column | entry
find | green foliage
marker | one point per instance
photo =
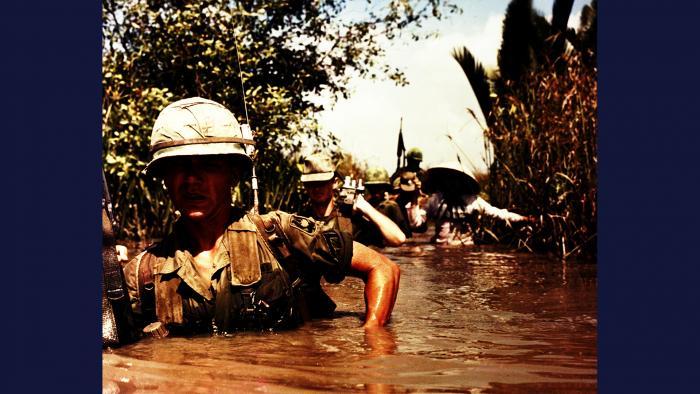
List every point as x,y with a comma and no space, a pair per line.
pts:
542,126
159,51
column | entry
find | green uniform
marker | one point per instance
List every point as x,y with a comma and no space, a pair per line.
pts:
363,230
393,211
250,287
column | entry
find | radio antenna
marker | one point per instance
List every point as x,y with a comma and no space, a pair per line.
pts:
247,132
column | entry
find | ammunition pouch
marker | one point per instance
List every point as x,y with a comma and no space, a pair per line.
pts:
255,291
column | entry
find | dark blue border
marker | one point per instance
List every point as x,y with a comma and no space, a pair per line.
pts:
649,321
51,113
648,220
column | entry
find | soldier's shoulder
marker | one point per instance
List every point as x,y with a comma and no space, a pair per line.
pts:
132,265
303,223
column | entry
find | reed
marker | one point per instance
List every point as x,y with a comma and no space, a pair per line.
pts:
544,137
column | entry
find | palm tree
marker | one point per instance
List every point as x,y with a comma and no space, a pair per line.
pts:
585,40
528,41
477,77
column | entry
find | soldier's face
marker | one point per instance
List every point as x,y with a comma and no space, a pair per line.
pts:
200,186
375,194
320,192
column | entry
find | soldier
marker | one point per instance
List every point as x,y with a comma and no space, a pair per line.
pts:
369,226
414,157
455,204
377,185
223,269
407,183
406,193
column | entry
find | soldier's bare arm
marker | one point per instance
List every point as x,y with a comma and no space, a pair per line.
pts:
390,231
381,277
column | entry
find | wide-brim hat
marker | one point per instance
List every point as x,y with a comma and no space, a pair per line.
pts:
407,182
318,167
451,177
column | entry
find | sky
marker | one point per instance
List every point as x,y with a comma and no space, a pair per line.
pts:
434,103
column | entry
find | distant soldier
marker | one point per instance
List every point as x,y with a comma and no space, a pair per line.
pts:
455,204
414,157
407,183
224,269
368,225
377,186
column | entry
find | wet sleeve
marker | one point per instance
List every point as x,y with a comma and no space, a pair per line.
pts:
484,207
326,249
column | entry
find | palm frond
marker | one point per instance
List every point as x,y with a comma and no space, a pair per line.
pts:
477,78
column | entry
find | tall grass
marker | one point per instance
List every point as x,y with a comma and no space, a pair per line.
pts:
544,136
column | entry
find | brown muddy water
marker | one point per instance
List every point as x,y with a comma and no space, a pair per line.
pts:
467,319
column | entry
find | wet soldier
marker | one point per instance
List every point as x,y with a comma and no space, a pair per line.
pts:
368,225
408,181
414,157
455,204
223,269
376,189
406,191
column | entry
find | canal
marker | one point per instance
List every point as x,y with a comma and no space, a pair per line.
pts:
467,319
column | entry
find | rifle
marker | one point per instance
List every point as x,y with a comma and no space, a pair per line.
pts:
117,320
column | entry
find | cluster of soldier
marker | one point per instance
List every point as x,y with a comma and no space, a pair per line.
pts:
398,206
223,269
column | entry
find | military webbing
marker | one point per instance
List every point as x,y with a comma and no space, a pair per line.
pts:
281,252
118,316
146,288
113,279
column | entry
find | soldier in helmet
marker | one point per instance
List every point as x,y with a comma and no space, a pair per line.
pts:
377,186
414,157
368,225
223,269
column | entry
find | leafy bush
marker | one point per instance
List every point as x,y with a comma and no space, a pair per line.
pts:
159,51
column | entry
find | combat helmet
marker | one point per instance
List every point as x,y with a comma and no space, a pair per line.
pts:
377,176
318,167
415,154
197,126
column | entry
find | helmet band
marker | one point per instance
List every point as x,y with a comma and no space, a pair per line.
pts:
208,140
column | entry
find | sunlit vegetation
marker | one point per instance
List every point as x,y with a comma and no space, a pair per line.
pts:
156,52
542,124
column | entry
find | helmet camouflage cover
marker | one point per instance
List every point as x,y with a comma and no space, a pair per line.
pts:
377,176
415,154
197,126
318,167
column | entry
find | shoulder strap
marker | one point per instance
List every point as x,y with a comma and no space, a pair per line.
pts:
273,237
278,243
146,288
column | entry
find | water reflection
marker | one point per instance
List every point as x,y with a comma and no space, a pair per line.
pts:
466,320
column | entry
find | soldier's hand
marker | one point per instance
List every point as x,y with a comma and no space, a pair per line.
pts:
360,204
